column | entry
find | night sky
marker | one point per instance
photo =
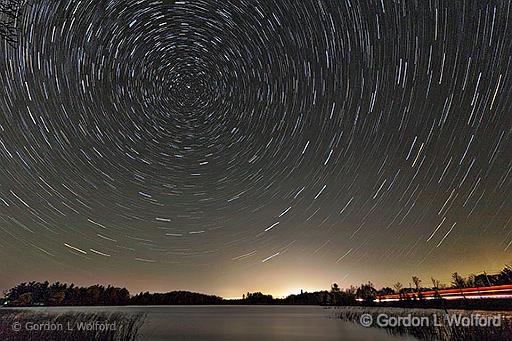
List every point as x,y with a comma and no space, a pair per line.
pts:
233,146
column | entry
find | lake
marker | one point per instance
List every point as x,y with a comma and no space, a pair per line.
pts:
202,323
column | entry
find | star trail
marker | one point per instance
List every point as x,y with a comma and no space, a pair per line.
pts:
230,145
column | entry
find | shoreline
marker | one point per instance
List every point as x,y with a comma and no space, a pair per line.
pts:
376,306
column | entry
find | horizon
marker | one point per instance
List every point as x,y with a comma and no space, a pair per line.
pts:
232,146
276,294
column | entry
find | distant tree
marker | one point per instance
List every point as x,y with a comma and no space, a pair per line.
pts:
10,12
174,298
458,281
94,292
417,282
471,281
259,298
25,299
59,294
506,275
436,285
338,297
398,288
367,292
386,291
351,290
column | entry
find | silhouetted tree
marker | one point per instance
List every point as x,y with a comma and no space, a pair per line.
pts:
351,290
417,283
505,276
367,292
258,298
334,297
338,297
57,294
398,288
458,281
386,291
436,285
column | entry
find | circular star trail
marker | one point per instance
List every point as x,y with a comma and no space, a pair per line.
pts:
171,136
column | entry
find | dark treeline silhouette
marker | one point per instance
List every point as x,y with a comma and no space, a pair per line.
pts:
334,297
483,280
257,298
58,294
175,297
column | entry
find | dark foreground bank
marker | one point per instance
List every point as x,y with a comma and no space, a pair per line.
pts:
433,324
69,326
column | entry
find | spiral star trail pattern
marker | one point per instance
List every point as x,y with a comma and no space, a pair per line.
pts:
220,145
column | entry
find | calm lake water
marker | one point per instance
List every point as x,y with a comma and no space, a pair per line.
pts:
205,323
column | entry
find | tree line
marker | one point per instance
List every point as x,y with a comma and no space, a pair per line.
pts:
368,293
61,294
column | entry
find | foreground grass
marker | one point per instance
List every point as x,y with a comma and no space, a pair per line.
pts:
73,326
429,331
